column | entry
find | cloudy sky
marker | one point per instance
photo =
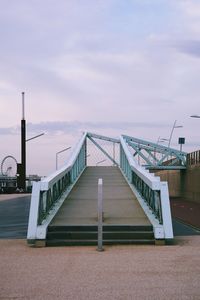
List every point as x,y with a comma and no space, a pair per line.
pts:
106,66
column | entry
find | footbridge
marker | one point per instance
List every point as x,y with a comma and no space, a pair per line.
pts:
136,206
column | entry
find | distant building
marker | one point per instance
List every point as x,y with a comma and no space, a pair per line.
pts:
8,184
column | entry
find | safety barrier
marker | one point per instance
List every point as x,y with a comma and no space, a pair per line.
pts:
193,158
152,193
49,194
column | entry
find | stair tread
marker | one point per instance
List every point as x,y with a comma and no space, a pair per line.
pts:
94,242
94,228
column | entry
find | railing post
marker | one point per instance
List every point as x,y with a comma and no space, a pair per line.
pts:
33,214
100,215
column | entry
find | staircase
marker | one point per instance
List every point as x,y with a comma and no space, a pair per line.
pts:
124,220
87,235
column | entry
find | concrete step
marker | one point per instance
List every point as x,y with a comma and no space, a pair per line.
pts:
147,228
106,235
55,243
88,234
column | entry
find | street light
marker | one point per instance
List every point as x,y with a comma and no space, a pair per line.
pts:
59,153
101,161
34,137
174,126
161,140
21,167
195,116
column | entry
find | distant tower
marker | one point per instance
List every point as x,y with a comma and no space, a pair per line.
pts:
21,168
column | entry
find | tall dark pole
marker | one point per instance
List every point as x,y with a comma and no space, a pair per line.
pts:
23,147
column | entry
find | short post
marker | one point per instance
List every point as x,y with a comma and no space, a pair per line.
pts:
100,215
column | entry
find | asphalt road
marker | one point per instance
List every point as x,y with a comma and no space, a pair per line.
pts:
14,214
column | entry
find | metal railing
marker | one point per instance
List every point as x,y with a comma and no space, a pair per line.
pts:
48,193
193,158
152,197
48,198
151,190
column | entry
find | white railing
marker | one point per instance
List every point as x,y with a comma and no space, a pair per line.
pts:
151,193
49,194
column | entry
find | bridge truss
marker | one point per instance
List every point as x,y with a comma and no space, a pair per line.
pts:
147,154
49,194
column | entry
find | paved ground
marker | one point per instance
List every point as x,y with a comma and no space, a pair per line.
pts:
78,273
14,212
186,211
118,273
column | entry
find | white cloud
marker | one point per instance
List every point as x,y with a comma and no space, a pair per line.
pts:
191,8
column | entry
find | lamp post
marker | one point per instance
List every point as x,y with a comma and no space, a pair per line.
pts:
59,153
21,167
99,162
34,137
161,140
195,116
173,127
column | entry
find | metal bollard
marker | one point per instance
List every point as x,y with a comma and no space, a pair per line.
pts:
100,215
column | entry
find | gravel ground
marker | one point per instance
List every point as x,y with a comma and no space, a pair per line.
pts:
120,272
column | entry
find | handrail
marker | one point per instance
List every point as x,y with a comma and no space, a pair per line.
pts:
149,178
51,179
49,191
152,191
53,186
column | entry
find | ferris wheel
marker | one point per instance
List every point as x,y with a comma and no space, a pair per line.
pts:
9,166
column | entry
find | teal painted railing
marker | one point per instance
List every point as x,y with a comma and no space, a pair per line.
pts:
48,198
152,197
152,194
49,194
64,179
148,193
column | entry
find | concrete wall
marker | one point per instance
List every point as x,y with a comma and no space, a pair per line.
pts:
183,183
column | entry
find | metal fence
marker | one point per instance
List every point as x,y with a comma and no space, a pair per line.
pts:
152,193
151,196
193,158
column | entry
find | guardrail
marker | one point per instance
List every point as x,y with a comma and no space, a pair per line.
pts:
49,194
152,194
193,158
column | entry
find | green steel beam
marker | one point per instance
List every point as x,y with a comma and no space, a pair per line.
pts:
139,152
179,156
165,167
153,145
100,148
102,137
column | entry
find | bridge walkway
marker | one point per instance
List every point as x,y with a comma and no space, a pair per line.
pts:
64,205
120,205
